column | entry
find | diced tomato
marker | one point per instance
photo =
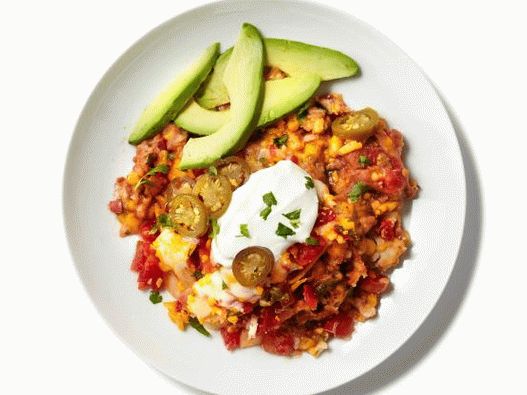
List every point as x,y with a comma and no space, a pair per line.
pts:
157,182
278,342
310,297
340,325
375,284
394,182
371,153
231,338
198,172
140,256
146,264
294,159
247,307
307,254
387,229
146,231
267,321
200,258
325,215
116,206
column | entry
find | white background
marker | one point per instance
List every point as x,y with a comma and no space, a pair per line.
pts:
52,55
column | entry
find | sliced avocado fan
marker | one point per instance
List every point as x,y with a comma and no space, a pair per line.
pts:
292,57
170,101
243,79
280,98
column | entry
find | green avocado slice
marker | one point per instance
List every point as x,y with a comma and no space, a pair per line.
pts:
280,98
292,57
173,98
243,78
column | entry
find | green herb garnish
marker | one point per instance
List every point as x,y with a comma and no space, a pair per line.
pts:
213,171
269,199
197,274
309,183
356,191
194,323
265,212
284,231
294,218
163,168
214,228
364,160
223,285
302,111
280,141
311,241
155,298
244,231
163,221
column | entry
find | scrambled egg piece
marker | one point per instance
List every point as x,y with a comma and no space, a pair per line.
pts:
173,250
217,293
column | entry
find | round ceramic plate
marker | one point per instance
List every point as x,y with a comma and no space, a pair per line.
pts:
390,82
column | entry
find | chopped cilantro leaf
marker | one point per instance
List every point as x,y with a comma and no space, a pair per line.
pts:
311,241
214,228
269,199
194,323
284,231
223,285
280,141
163,221
294,218
364,160
356,191
265,212
302,111
309,183
293,214
198,274
163,168
213,171
244,231
155,298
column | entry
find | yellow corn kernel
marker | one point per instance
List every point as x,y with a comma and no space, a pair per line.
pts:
306,343
133,178
168,133
130,220
311,149
259,290
180,318
349,147
347,223
181,286
293,142
130,205
376,176
232,319
381,208
211,301
334,145
163,157
318,126
293,124
330,235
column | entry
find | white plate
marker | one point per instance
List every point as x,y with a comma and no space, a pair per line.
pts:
390,82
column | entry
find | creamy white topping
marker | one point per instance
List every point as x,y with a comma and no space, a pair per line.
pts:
287,183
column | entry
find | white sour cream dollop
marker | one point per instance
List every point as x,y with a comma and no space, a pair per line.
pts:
287,182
